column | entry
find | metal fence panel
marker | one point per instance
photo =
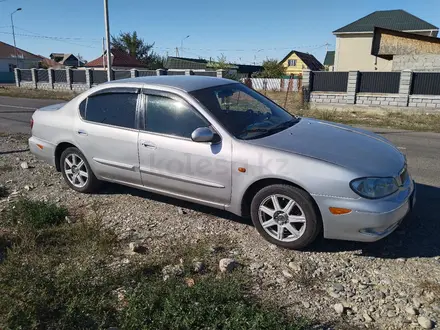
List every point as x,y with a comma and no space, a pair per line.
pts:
99,76
79,76
273,84
121,74
26,75
42,75
205,73
426,83
379,82
59,76
146,73
329,81
175,73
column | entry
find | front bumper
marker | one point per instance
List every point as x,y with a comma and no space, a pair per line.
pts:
370,220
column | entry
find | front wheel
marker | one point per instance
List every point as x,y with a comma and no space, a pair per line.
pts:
286,216
77,172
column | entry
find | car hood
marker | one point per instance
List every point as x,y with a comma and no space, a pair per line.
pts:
346,146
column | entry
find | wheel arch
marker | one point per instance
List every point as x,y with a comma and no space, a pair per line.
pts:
59,150
264,182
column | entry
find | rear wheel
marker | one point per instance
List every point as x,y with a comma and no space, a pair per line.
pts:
285,216
77,172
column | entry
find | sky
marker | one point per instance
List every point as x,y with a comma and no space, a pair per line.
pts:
244,31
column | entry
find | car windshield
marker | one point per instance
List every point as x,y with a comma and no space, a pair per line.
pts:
243,112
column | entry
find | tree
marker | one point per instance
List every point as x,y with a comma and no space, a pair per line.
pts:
272,69
138,48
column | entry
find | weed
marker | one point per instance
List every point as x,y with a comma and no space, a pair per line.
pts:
13,91
5,168
35,214
63,277
305,276
431,287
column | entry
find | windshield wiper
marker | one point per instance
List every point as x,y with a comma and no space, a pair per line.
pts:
283,125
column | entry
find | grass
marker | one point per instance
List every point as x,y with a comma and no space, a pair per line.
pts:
408,120
55,275
14,91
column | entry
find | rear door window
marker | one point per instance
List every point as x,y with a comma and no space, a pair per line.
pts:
116,109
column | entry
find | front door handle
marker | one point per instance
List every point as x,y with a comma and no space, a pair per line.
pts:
148,145
82,132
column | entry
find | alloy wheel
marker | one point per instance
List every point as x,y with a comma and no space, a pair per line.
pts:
282,218
76,170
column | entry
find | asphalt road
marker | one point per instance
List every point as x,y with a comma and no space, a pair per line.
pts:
422,149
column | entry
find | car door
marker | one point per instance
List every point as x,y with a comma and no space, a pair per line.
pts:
107,134
171,162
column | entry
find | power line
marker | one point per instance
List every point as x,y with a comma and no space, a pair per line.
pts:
50,38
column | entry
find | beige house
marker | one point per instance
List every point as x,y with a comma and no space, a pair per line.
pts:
354,41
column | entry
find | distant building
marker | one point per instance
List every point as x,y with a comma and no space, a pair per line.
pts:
8,61
329,61
66,59
295,62
119,60
353,41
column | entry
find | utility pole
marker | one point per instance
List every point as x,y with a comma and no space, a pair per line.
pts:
13,36
177,51
181,44
107,35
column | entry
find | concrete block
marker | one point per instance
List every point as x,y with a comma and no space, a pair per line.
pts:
375,102
390,98
318,100
421,105
367,102
437,106
331,96
393,103
436,101
384,102
359,101
334,101
380,98
431,105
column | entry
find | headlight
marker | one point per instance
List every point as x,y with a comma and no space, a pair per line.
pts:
374,187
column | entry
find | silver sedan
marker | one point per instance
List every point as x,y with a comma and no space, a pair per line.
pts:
216,142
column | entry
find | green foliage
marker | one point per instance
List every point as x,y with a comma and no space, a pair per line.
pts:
130,43
36,214
65,277
272,69
221,63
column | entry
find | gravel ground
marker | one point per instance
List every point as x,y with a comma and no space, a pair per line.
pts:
392,284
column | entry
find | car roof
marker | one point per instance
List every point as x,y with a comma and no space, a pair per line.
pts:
186,83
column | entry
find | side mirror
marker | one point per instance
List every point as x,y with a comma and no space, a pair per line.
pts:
204,134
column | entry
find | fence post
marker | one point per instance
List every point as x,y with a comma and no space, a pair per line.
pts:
352,82
404,87
307,79
34,77
17,77
50,77
221,73
134,73
88,78
161,72
69,77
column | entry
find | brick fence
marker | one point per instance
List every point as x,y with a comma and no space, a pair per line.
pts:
73,79
374,90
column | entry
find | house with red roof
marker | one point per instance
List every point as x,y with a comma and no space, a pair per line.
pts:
119,60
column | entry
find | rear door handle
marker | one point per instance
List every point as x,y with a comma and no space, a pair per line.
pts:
82,132
148,145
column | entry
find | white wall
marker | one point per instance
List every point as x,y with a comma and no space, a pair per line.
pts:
23,64
353,52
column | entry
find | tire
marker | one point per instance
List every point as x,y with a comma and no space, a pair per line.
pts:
298,227
81,183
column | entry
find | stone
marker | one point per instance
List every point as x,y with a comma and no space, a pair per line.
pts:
172,270
135,247
333,295
24,165
198,266
27,187
411,310
294,266
339,308
391,314
256,266
338,287
306,304
425,323
417,302
69,219
181,211
227,265
337,273
367,317
287,274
